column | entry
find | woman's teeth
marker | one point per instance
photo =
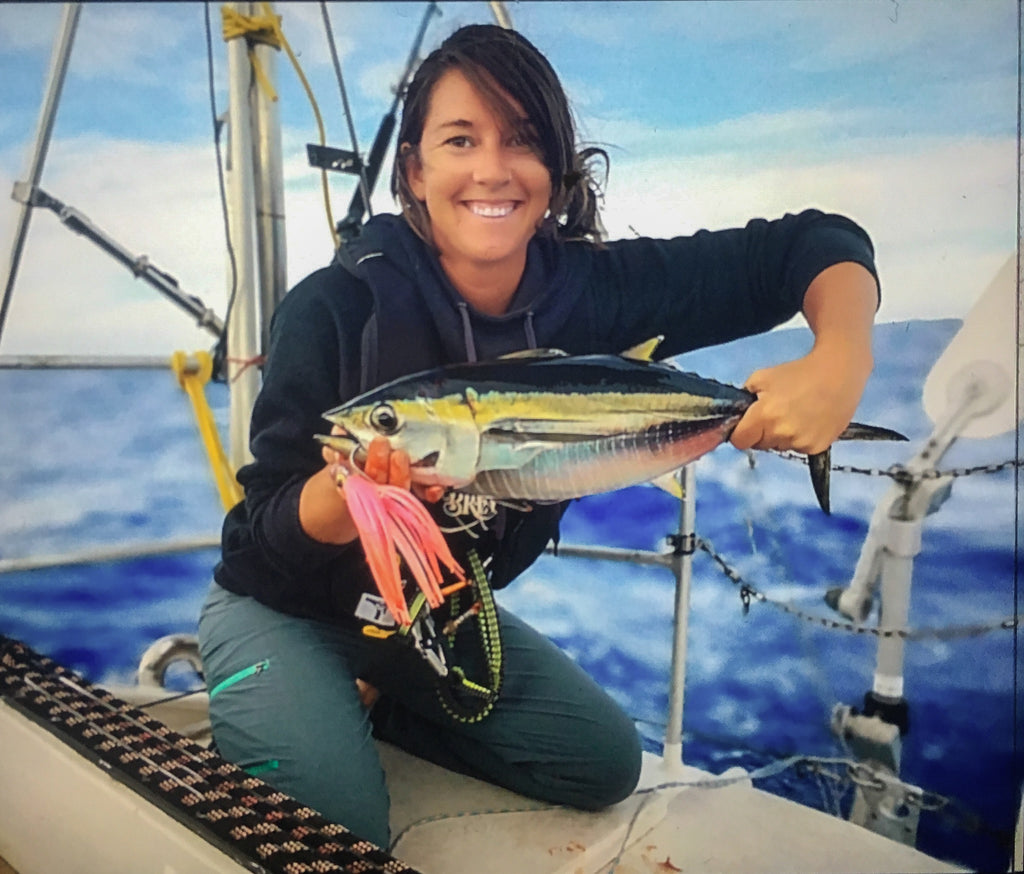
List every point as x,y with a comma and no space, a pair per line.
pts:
491,210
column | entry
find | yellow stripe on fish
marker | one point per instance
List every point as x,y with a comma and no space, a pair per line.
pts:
552,426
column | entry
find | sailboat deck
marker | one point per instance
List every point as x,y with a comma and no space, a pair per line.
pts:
110,816
445,823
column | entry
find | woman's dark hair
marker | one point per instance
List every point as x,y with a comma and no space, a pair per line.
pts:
500,62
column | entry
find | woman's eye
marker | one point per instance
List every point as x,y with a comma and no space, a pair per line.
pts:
460,142
384,419
523,137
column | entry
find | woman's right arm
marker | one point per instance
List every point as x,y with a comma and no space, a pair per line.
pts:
296,516
297,512
323,510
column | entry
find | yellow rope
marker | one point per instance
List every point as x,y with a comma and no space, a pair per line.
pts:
266,29
193,381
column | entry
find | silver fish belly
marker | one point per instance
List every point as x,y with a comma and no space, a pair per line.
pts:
547,428
563,467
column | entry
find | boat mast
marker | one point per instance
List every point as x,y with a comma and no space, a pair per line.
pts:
269,182
500,13
47,115
256,227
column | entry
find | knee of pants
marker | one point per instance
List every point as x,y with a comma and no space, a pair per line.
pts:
337,774
602,769
615,770
284,707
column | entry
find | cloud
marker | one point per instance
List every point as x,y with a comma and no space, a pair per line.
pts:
854,33
156,200
941,211
121,42
28,27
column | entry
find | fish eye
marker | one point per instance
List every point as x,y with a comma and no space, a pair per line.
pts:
384,418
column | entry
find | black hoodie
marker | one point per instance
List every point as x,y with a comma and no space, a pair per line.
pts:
384,308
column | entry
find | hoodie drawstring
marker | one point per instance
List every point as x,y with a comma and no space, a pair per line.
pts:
470,342
467,332
531,337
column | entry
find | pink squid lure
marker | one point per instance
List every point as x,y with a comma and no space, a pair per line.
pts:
391,521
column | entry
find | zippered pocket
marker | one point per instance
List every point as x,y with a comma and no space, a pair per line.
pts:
238,676
262,767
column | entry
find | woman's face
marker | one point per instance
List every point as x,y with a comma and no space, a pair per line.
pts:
485,188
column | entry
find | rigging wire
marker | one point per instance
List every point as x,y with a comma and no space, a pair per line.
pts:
266,29
220,352
283,43
363,183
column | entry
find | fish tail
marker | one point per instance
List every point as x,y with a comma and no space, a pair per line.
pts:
858,431
821,472
821,462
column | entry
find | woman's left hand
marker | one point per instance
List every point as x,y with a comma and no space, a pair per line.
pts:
805,404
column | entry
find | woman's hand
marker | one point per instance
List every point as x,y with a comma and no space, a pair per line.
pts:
323,510
805,404
389,466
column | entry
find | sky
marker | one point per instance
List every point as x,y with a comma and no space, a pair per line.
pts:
902,114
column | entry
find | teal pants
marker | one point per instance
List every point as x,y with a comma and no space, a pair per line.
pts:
284,705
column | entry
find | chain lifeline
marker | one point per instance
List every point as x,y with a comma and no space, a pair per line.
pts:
903,476
749,594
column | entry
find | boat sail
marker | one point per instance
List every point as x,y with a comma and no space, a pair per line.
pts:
442,822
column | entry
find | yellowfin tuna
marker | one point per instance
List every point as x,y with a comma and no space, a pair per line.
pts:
547,426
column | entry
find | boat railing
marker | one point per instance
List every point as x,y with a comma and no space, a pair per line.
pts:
87,362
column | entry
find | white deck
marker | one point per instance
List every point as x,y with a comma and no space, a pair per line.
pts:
60,812
733,829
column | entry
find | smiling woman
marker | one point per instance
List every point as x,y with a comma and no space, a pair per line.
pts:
498,247
487,159
485,190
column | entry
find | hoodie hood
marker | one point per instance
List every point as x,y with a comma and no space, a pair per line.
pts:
413,297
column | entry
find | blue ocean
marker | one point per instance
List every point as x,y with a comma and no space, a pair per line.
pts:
98,458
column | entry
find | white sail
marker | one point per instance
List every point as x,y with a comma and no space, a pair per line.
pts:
983,358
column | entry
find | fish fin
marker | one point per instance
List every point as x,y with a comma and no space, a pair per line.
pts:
533,353
668,482
821,469
820,463
857,431
643,351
